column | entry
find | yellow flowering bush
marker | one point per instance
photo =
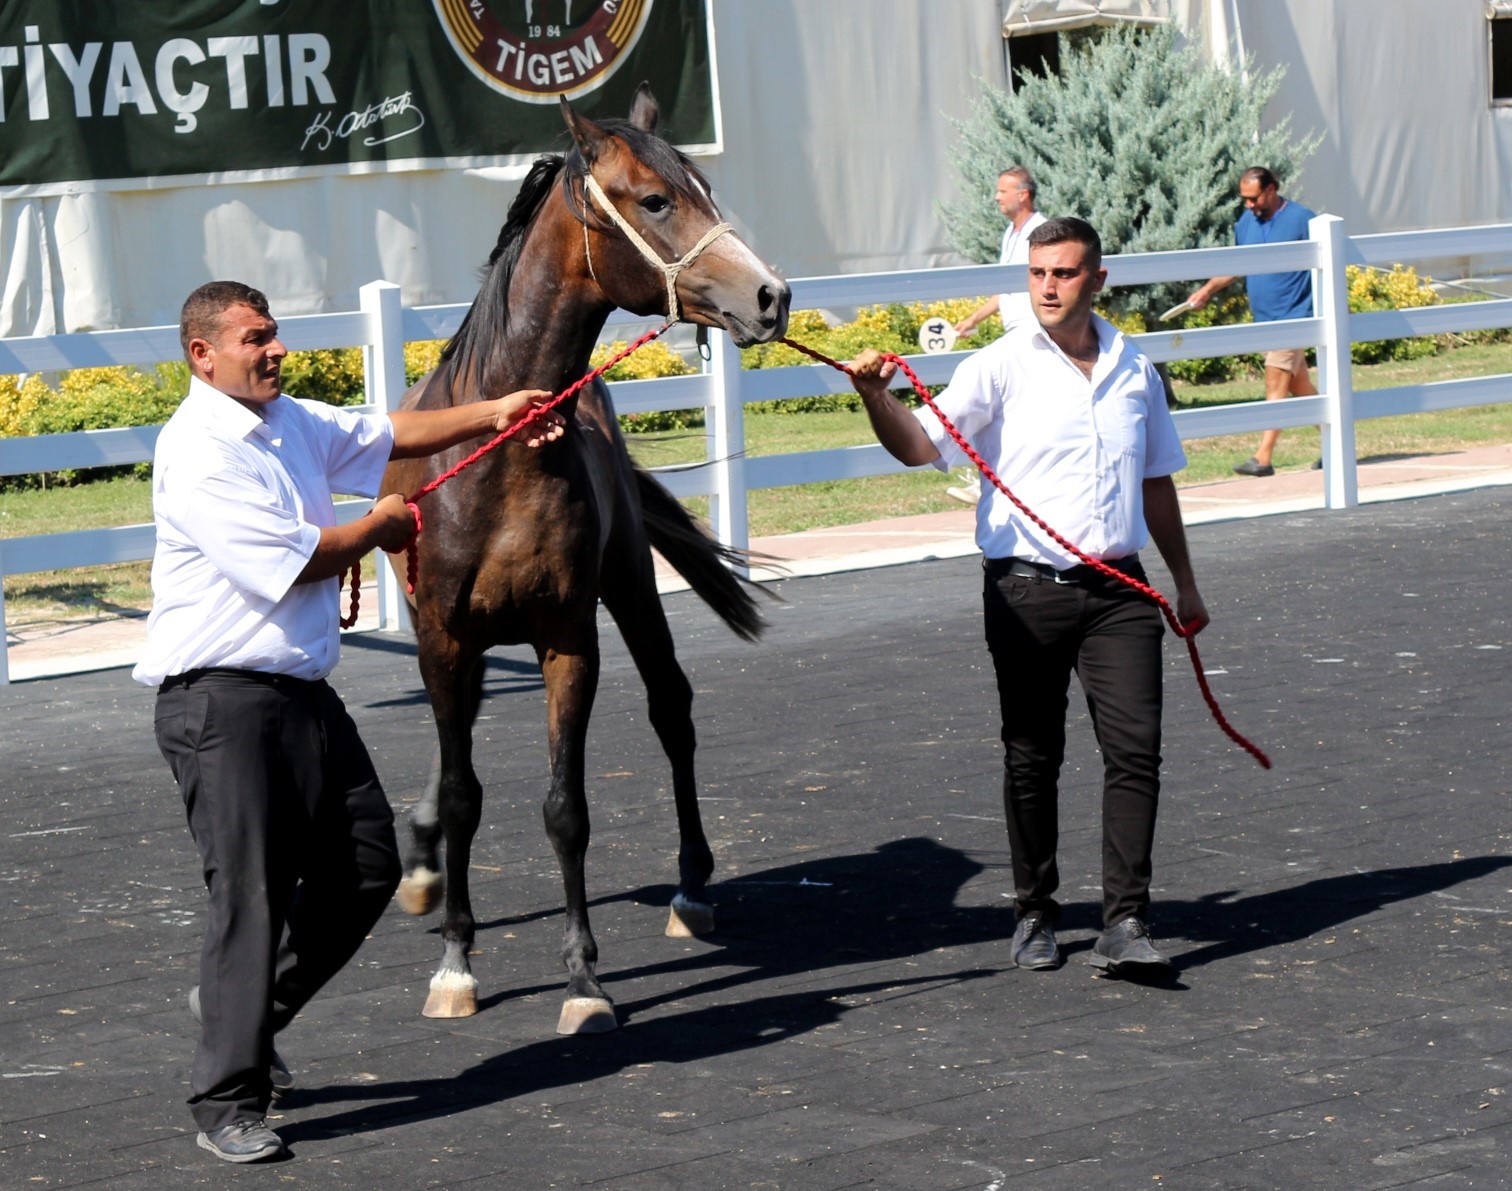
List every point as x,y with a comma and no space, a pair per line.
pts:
421,357
18,403
653,360
330,374
88,399
1394,289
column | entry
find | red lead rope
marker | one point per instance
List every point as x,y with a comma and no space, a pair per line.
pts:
412,549
1098,565
1145,590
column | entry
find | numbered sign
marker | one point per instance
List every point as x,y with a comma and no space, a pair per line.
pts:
936,335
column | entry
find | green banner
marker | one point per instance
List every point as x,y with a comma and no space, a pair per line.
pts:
128,93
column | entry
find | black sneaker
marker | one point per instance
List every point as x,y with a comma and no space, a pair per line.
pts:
1126,946
1253,467
1034,944
279,1074
245,1141
1317,465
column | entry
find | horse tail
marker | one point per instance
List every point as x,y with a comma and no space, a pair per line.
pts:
694,553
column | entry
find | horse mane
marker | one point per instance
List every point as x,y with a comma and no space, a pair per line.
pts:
473,350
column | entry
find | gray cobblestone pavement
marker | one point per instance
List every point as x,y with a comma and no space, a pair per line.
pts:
1341,1015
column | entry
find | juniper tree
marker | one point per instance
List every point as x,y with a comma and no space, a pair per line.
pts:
1139,136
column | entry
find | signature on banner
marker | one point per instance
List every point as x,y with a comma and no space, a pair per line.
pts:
322,132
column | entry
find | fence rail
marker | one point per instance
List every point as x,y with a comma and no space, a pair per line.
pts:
382,327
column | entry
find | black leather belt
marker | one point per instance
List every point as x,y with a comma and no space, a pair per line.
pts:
999,568
281,682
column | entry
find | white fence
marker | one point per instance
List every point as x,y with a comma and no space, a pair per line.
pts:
382,326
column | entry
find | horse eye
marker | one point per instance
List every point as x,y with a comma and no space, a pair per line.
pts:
655,203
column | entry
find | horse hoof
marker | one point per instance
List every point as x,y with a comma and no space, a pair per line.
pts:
420,892
689,918
451,996
587,1015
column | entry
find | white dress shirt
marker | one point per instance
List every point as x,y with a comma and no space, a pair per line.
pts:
1075,451
1015,308
239,499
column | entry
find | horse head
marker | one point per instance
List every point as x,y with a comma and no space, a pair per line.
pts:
653,240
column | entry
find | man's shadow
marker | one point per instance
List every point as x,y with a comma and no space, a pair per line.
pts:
1282,916
879,907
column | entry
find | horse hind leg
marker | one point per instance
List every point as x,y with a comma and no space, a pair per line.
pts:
422,886
669,700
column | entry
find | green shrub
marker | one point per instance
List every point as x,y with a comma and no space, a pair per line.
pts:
1396,289
89,399
333,375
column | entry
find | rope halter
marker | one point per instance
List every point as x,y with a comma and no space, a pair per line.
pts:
669,271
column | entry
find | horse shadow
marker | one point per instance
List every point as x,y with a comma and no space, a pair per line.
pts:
800,919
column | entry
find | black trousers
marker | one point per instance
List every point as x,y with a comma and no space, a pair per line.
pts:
297,844
1038,632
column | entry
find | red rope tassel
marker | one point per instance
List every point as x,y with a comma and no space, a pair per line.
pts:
1182,631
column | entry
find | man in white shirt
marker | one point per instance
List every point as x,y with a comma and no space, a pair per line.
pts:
294,832
1016,190
1073,420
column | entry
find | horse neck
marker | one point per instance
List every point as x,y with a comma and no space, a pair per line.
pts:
555,311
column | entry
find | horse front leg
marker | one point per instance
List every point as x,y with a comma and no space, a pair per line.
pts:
571,683
455,686
638,613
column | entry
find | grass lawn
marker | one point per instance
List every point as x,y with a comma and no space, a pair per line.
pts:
126,501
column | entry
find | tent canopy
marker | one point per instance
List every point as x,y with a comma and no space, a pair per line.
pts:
1046,16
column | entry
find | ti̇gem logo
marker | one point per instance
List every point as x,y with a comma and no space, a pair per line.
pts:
540,50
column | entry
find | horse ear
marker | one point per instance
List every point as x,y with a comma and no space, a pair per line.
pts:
588,136
644,110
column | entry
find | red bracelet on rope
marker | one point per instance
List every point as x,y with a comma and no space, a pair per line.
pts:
1186,633
413,548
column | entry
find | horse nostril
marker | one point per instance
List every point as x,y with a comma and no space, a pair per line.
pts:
768,296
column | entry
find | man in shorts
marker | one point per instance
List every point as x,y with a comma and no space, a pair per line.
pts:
1270,219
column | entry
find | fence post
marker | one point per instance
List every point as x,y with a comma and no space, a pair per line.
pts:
383,379
4,635
724,417
1331,295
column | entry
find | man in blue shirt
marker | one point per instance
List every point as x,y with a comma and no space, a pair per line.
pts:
1270,219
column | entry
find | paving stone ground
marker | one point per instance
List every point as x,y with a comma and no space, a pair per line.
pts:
1341,1016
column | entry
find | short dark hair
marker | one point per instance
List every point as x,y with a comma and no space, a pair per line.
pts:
1069,229
1259,174
201,316
1025,178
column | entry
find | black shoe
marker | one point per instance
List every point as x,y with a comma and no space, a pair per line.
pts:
1034,943
279,1074
1317,465
1125,946
245,1141
1253,467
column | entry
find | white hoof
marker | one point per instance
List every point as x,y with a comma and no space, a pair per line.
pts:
689,918
452,994
420,891
586,1015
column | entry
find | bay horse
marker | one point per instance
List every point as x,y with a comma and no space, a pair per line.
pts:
521,547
